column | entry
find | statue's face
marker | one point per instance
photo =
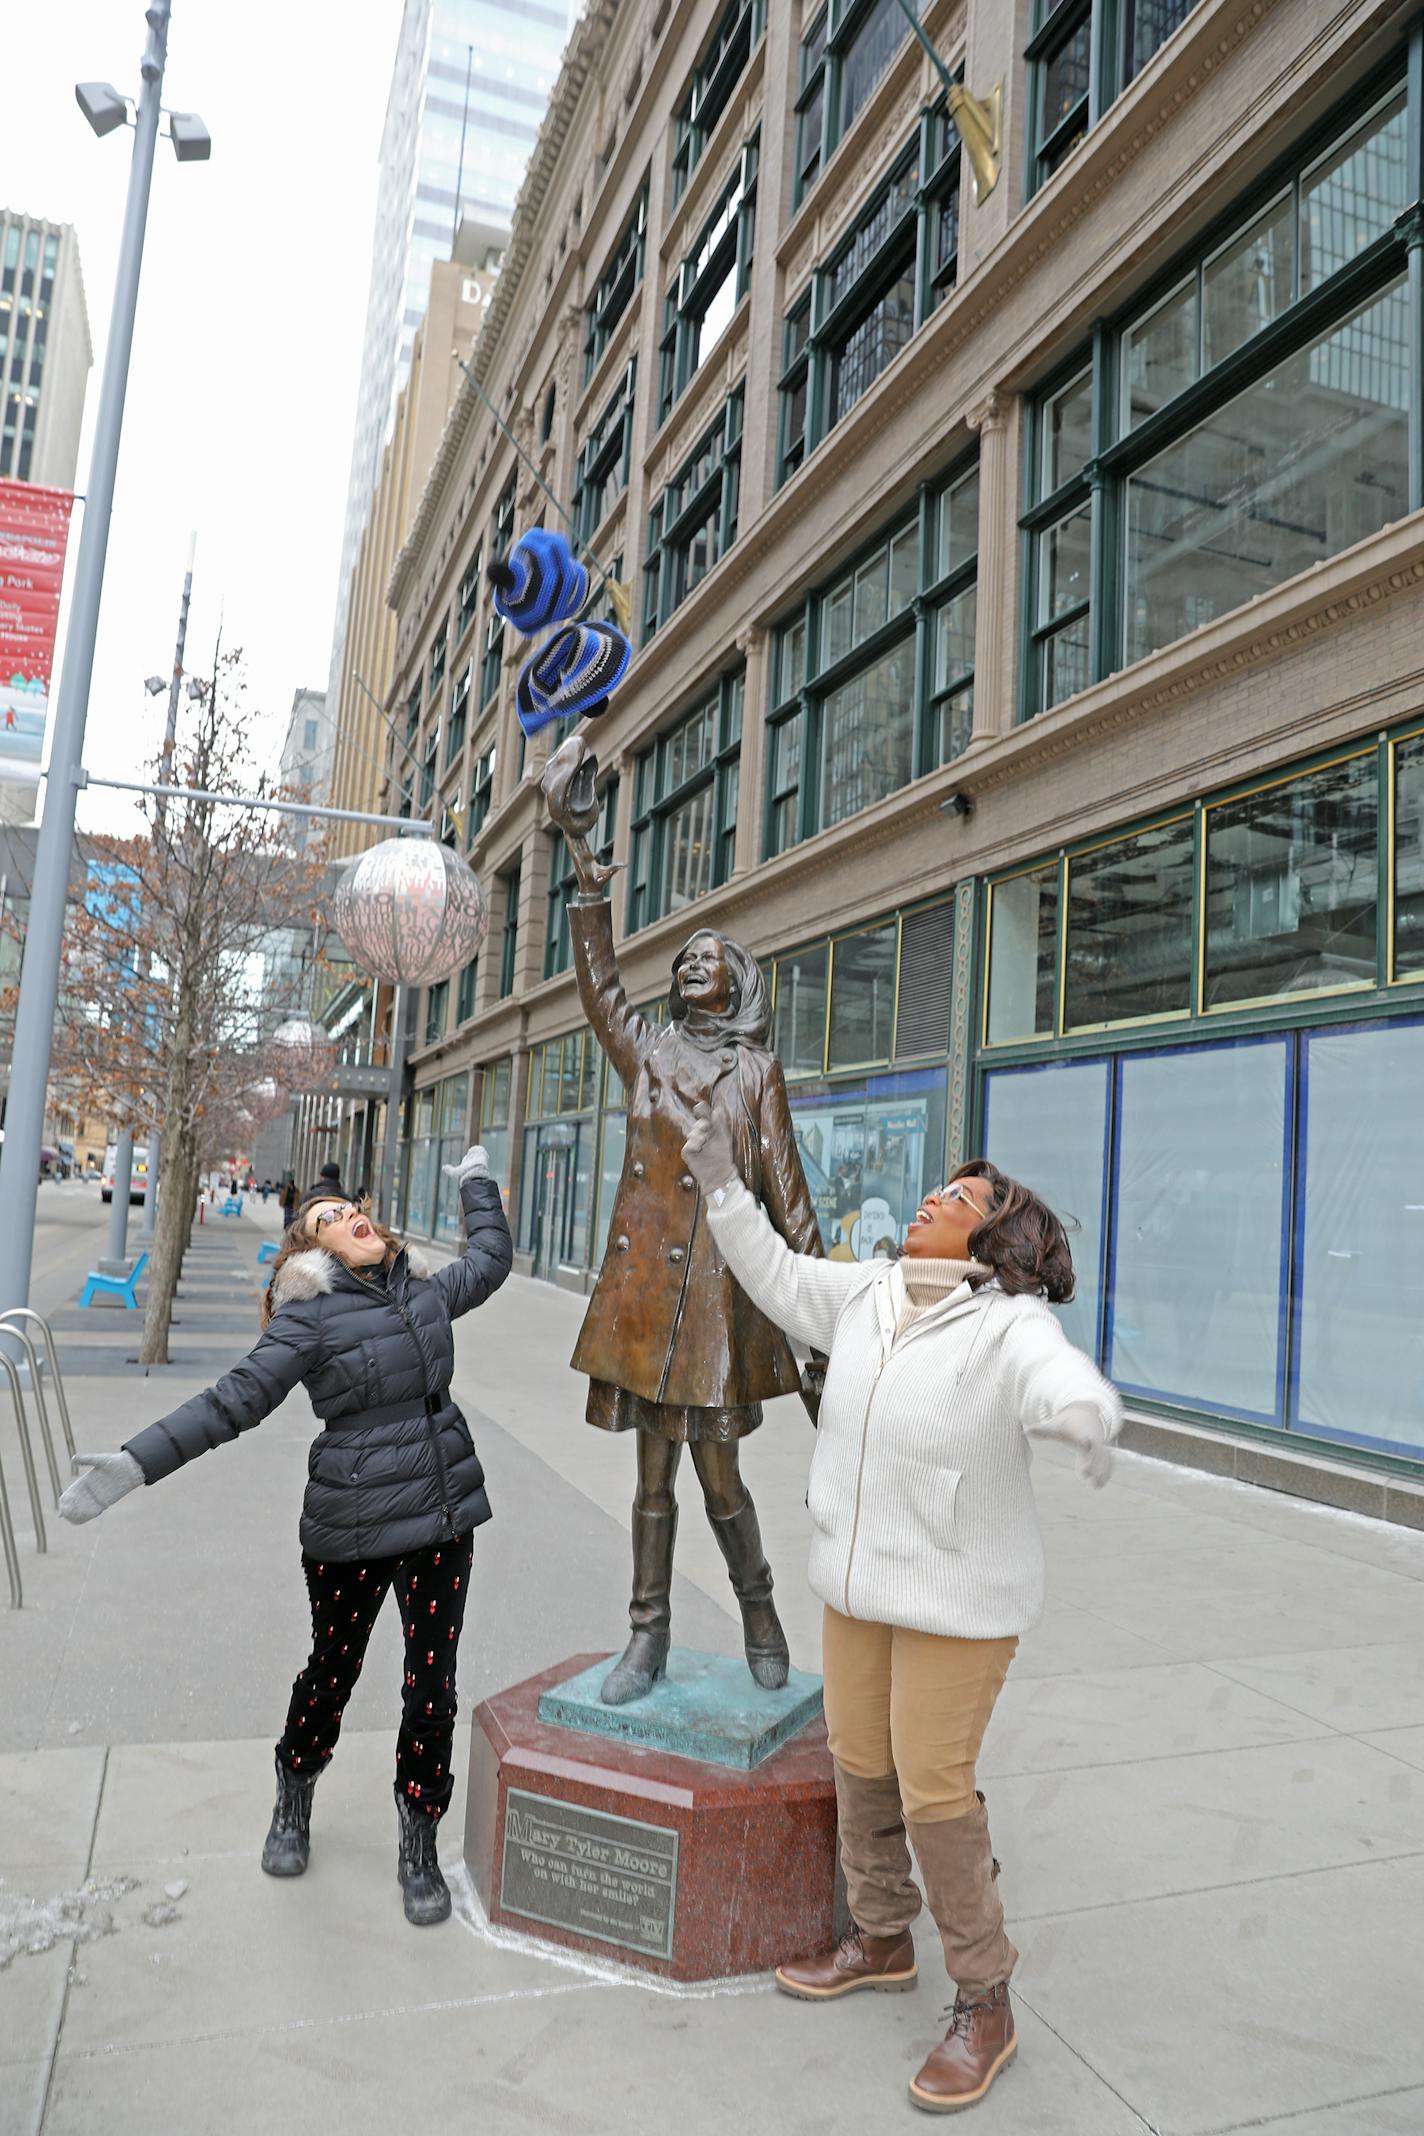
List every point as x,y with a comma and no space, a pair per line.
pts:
703,977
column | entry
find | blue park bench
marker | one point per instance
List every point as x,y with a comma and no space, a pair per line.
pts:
122,1287
267,1251
232,1206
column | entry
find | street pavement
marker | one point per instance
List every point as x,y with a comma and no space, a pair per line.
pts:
1206,1780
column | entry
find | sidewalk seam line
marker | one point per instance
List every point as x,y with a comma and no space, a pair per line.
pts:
73,1951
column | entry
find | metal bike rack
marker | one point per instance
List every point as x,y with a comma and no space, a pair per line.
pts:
27,1452
16,1314
12,1554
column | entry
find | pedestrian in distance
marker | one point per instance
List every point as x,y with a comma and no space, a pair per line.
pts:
396,1490
328,1181
266,1190
926,1555
288,1199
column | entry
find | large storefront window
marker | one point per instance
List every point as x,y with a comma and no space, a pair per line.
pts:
871,1150
439,1119
1048,1127
1249,419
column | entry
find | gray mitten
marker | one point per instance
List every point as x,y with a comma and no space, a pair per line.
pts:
110,1478
473,1165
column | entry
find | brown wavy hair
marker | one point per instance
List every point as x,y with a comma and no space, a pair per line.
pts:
296,1239
1021,1239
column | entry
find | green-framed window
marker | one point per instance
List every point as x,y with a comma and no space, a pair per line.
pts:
412,714
501,542
616,286
428,767
873,292
466,990
437,1004
467,601
723,62
870,996
439,650
481,791
509,946
711,282
605,457
1299,885
1081,56
565,1076
1249,417
563,882
844,52
685,806
457,719
694,521
873,680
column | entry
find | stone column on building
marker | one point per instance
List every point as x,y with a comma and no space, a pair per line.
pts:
961,1027
775,177
995,419
754,645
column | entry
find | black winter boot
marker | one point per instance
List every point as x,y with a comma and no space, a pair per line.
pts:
739,1540
287,1848
644,1659
427,1895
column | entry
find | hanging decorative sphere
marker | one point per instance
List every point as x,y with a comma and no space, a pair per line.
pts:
264,1099
410,911
300,1054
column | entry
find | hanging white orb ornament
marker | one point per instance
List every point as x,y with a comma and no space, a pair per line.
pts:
265,1098
301,1054
410,911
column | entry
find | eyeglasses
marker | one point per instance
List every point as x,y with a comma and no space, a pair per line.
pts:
336,1214
957,1191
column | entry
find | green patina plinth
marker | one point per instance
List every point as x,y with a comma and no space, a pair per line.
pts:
707,1707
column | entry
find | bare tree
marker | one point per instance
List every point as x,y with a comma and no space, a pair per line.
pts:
163,1005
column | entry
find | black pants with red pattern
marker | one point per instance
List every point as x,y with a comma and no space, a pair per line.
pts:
346,1599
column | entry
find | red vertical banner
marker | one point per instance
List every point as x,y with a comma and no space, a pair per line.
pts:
34,530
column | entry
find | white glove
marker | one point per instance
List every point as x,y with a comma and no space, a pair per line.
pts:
708,1152
111,1477
473,1165
1080,1425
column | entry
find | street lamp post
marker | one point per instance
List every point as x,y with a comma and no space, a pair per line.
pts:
44,938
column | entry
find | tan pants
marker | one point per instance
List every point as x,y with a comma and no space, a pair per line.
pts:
911,1703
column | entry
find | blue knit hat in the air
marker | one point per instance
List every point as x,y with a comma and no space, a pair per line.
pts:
573,676
540,582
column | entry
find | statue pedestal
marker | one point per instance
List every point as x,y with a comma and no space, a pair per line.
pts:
691,1834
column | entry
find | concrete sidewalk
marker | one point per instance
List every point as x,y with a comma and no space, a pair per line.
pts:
1206,1776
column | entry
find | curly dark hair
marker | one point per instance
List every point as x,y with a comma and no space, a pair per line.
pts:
1021,1239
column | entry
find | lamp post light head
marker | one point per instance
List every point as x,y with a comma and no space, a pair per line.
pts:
155,683
101,105
192,143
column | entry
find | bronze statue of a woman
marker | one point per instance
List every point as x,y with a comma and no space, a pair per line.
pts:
674,1349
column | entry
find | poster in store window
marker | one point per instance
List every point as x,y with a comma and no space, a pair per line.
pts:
34,532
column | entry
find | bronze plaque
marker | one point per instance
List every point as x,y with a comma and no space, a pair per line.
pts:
608,1878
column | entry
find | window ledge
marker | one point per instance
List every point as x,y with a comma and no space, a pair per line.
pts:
738,121
880,127
1271,627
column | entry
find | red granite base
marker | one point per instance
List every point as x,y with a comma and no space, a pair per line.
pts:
749,1879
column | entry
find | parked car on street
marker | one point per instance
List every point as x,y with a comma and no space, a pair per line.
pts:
138,1178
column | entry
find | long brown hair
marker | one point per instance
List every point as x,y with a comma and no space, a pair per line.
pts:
295,1240
1020,1239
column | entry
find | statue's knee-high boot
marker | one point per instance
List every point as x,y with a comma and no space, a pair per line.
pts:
644,1659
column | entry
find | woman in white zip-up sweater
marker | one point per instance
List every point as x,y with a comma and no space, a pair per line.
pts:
927,1555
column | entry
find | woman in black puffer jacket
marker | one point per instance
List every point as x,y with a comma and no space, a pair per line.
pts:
395,1492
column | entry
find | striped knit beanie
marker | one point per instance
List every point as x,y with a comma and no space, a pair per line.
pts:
540,582
573,676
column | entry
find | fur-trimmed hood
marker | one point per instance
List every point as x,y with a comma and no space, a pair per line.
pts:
312,1274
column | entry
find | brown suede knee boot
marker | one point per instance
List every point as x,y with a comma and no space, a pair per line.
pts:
877,1950
960,1877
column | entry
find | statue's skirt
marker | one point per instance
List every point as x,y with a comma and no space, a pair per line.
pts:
616,1409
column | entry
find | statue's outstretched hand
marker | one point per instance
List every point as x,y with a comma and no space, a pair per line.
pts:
110,1477
708,1152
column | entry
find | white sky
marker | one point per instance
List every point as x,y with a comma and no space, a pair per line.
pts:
242,390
